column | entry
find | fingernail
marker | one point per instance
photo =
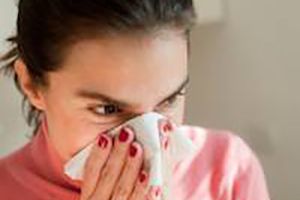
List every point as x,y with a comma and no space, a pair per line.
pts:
124,135
168,127
165,128
103,141
142,177
157,191
166,143
133,150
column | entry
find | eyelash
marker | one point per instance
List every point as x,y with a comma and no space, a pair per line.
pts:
109,107
105,108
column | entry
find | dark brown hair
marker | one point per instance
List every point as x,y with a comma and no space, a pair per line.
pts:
45,28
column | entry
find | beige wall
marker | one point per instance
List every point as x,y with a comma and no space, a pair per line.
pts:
12,125
244,78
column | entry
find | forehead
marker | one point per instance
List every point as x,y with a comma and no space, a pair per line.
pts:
136,69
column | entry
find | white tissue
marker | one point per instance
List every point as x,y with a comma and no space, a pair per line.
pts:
159,161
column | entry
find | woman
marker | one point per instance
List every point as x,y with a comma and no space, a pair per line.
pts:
87,66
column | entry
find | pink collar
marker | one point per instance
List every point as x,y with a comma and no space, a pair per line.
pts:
47,161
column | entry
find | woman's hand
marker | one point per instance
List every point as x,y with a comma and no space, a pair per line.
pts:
113,170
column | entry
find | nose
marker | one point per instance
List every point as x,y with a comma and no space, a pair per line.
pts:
168,116
139,110
143,109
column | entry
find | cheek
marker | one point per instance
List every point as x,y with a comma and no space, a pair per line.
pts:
69,129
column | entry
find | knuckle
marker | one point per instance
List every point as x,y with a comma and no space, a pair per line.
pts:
120,148
116,164
134,165
89,167
138,195
105,174
119,151
123,191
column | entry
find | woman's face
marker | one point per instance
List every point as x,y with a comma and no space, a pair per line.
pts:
104,82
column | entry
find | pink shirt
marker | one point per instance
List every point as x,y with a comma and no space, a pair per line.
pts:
224,168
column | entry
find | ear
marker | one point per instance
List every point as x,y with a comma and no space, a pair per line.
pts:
33,93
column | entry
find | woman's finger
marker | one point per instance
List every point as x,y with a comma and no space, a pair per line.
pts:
94,164
130,173
113,168
141,187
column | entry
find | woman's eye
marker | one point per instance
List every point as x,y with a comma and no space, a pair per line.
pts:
172,101
106,110
112,109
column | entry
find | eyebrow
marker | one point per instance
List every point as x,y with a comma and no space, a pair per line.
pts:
105,98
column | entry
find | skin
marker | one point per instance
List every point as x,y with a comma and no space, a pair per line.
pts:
141,71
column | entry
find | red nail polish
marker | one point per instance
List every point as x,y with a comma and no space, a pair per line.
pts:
123,136
170,127
142,177
166,143
165,128
102,141
133,150
157,191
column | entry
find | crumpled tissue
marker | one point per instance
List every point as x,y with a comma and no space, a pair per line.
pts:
159,160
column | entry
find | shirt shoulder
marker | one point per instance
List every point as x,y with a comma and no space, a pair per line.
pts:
216,169
12,166
219,148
